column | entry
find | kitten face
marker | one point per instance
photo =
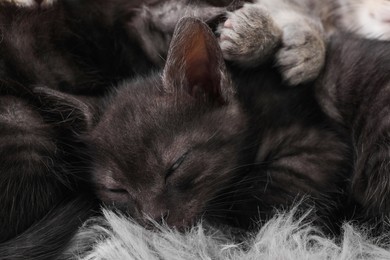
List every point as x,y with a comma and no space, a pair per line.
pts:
155,153
167,145
369,18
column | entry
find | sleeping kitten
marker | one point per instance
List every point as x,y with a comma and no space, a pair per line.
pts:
192,141
353,97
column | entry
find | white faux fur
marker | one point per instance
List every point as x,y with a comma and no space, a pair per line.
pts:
116,237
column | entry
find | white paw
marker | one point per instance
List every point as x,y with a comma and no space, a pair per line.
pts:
249,36
302,55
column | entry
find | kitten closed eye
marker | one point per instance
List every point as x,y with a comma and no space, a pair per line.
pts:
175,166
119,191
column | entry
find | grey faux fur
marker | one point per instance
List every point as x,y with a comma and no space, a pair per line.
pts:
116,237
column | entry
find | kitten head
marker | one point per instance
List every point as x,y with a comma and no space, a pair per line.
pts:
369,18
166,145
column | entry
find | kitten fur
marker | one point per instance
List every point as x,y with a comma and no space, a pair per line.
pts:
359,103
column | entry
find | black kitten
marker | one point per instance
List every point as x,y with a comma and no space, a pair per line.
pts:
189,141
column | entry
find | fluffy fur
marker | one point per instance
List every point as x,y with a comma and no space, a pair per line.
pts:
283,237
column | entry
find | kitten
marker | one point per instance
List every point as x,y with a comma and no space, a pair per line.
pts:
353,97
193,141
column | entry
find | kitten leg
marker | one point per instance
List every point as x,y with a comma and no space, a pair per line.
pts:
249,36
302,55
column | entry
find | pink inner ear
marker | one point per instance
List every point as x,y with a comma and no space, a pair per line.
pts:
201,68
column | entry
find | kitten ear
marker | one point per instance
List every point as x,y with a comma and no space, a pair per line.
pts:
195,63
66,110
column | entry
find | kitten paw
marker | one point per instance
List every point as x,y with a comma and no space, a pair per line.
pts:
302,55
249,36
